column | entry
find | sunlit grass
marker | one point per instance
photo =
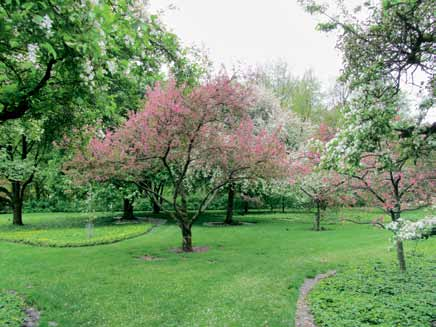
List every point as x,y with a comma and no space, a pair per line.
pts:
67,230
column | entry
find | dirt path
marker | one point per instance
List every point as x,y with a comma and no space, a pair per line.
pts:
303,316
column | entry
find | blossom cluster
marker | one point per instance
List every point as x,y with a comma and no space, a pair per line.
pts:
411,230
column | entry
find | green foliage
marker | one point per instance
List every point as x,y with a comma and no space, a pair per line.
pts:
89,57
377,294
11,309
69,230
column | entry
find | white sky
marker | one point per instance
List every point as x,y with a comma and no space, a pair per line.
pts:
250,32
254,32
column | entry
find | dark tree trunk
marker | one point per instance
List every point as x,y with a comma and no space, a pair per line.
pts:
187,237
128,209
283,204
157,198
156,206
17,196
38,191
230,205
17,203
317,222
245,207
271,206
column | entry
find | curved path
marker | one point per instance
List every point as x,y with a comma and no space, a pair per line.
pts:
303,316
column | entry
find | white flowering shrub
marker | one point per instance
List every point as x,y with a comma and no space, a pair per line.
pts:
412,230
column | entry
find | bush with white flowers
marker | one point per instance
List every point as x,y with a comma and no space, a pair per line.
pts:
412,230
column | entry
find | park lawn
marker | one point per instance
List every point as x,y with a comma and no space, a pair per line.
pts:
69,229
249,277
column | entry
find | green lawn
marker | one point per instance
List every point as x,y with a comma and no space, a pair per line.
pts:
69,230
249,277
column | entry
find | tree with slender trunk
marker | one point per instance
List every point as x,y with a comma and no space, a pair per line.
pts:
396,184
195,137
323,187
19,158
230,204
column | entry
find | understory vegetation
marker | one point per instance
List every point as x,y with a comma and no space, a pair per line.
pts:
11,309
374,294
70,230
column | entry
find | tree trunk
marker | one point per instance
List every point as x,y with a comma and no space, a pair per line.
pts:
156,206
128,209
17,203
187,237
400,255
283,204
38,191
317,223
245,207
395,215
230,205
157,202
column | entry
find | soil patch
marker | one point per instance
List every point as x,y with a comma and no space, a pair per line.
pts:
149,258
197,249
303,316
222,224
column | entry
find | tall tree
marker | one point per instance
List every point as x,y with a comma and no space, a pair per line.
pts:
19,157
193,136
391,42
63,51
73,63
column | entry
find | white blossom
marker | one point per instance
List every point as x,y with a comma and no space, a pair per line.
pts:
32,52
46,24
128,40
139,10
111,66
411,230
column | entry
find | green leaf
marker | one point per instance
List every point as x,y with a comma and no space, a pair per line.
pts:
49,49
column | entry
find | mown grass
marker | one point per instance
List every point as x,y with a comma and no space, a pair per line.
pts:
249,277
69,229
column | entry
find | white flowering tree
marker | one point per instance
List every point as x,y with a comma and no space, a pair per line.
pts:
79,52
66,64
267,114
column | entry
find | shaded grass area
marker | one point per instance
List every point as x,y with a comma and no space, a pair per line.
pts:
249,277
11,309
69,230
375,294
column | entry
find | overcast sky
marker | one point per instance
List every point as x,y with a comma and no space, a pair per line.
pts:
251,32
254,32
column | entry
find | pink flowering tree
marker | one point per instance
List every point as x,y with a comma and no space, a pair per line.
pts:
323,187
249,156
199,138
396,183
